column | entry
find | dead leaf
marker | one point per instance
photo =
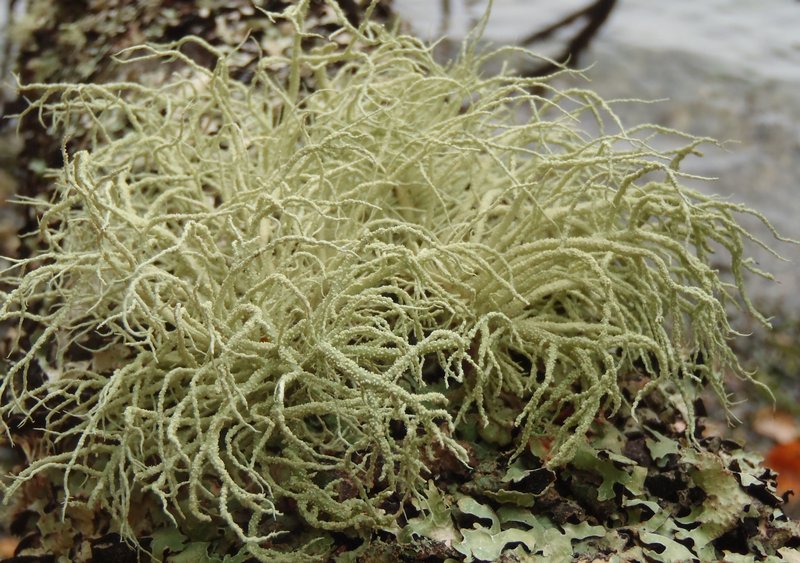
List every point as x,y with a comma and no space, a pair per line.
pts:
780,426
785,460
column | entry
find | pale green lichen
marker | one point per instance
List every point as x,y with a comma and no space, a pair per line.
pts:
281,275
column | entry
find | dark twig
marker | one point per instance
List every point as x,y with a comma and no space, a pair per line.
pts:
596,14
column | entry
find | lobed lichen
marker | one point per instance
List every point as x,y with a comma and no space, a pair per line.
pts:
293,296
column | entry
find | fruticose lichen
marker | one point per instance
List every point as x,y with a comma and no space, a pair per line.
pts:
292,296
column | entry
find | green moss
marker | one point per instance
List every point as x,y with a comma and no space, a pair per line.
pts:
282,277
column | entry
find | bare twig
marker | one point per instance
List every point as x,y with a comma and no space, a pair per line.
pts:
596,15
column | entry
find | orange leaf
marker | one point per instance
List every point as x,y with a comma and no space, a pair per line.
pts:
785,460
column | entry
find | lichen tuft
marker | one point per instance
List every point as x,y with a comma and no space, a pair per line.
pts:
273,278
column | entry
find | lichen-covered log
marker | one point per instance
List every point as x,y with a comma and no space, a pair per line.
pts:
268,308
